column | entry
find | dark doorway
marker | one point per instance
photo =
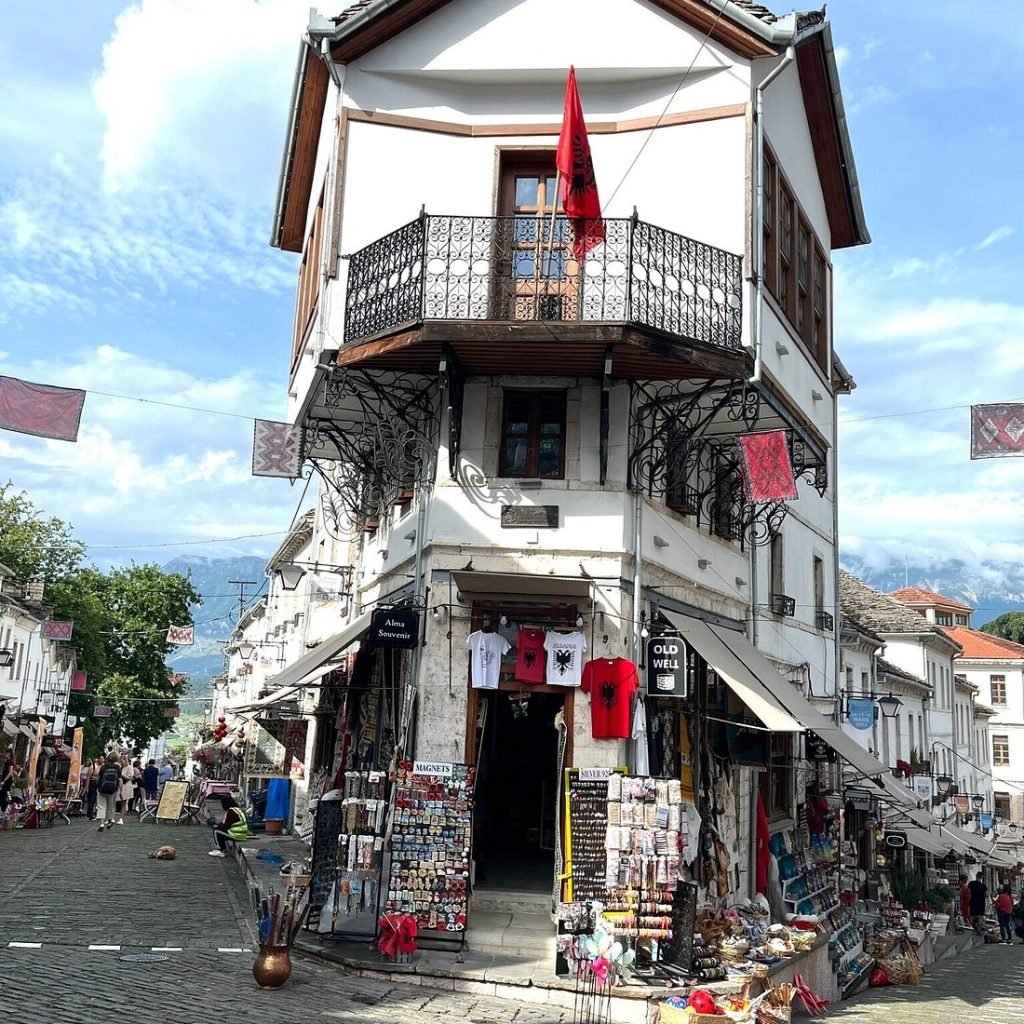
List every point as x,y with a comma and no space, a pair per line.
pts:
517,790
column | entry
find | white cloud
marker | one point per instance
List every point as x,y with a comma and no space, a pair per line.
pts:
144,474
842,56
996,235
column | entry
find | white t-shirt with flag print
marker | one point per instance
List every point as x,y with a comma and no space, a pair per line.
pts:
565,657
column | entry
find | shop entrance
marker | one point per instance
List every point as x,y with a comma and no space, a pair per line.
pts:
517,787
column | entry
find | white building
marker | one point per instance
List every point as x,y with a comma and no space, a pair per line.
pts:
512,436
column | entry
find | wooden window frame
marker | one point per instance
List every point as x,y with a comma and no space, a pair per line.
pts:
533,436
779,777
1001,805
307,293
787,252
1000,749
770,171
993,680
818,339
804,263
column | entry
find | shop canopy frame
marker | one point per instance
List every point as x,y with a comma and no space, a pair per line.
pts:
308,668
752,675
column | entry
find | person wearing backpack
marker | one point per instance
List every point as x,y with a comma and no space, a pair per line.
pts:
107,792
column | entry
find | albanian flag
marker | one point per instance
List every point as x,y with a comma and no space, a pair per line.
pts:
580,200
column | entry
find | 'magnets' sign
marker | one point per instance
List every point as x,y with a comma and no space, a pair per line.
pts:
666,666
395,627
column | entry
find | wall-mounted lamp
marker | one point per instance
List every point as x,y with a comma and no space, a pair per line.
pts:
781,348
439,612
290,575
660,542
245,649
703,563
740,581
977,801
6,657
889,705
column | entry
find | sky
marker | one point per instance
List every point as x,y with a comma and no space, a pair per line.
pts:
141,144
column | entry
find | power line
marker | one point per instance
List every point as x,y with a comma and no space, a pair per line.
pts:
182,543
911,412
170,405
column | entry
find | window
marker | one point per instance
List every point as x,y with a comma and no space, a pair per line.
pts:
1001,805
796,269
778,780
787,292
997,684
776,576
1001,749
962,620
533,435
308,290
944,618
818,569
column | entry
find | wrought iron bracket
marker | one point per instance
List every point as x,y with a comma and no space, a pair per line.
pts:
454,378
375,443
606,387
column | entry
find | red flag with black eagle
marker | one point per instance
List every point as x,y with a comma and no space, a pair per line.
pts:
580,200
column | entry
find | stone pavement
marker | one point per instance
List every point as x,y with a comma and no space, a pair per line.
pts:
65,889
984,986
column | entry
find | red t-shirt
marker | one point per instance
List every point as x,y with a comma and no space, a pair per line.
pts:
611,682
530,656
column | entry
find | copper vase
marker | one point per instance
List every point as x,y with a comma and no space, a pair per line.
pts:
272,967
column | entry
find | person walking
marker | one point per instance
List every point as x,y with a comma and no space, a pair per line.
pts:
108,791
150,779
166,773
96,767
1004,912
126,792
233,826
979,900
8,773
137,786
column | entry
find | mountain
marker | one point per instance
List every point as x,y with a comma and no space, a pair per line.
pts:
215,619
990,587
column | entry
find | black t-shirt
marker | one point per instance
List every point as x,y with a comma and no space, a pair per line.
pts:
979,890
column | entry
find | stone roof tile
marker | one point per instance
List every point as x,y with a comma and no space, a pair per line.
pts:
877,611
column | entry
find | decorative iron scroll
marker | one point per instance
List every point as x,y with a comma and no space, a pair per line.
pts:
683,452
376,445
522,269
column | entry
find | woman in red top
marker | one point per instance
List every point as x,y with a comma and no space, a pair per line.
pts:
1004,911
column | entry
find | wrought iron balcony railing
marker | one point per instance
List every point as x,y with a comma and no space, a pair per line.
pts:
521,269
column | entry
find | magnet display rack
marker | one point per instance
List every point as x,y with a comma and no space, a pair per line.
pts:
431,851
347,856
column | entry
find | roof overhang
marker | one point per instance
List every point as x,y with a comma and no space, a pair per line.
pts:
830,136
496,586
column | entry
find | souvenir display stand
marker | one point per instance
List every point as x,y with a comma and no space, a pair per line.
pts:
626,840
348,845
431,851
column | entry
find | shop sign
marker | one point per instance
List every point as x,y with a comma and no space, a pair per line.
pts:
395,627
543,517
1002,830
923,787
818,749
594,774
666,666
859,799
436,769
896,840
101,711
861,711
986,819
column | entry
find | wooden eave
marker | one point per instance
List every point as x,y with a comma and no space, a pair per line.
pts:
401,16
299,181
828,148
491,348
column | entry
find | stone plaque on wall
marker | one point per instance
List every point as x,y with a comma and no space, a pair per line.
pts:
544,517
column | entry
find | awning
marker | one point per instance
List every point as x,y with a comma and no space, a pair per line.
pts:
977,843
310,666
751,690
1000,859
27,731
900,796
505,585
930,842
9,727
799,706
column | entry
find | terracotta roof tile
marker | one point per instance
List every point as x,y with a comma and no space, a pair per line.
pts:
352,11
877,611
918,595
983,646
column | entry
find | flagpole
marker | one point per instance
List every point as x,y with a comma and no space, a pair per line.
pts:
554,215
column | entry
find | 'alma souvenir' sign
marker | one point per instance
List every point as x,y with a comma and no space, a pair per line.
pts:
666,666
818,749
395,627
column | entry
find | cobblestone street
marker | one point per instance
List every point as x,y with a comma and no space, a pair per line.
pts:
65,889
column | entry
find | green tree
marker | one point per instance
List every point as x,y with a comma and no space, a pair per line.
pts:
32,545
1009,625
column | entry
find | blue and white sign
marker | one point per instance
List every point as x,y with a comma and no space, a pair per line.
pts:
986,819
862,712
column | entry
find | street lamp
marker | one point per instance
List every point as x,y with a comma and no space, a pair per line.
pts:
6,657
977,801
245,649
889,705
290,575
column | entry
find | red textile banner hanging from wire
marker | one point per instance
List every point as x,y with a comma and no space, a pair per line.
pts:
767,468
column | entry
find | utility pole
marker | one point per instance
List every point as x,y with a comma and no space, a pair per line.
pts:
241,584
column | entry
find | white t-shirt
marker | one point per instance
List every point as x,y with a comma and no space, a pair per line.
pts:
485,654
565,657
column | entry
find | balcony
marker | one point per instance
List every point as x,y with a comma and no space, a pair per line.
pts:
506,294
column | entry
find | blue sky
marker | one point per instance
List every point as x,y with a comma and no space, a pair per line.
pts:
138,170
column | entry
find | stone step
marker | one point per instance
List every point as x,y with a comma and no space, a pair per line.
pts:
510,901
